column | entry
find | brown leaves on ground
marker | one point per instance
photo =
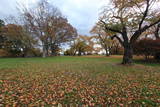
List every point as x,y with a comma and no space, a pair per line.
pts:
70,88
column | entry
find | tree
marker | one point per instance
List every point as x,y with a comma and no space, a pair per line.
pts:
1,23
49,26
104,38
69,52
60,32
2,38
81,45
129,19
18,40
153,32
116,48
88,40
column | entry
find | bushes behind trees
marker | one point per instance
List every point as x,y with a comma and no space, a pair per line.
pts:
148,47
19,53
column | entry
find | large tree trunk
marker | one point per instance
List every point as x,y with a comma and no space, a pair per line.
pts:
128,54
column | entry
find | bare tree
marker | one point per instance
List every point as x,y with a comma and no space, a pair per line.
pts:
49,26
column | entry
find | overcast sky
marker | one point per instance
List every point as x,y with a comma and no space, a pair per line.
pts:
82,14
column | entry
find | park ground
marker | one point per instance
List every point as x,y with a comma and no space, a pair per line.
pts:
78,81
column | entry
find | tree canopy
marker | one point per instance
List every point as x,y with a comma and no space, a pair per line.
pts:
129,19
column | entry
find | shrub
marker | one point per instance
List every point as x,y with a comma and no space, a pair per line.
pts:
4,53
147,47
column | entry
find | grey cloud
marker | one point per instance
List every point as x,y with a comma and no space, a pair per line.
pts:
82,14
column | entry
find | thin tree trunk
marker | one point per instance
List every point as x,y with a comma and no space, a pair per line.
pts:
107,54
54,50
79,52
157,56
25,52
54,53
44,51
74,53
157,32
47,50
128,54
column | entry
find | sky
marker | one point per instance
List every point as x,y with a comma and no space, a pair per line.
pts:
82,14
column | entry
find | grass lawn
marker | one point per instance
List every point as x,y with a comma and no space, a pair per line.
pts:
78,81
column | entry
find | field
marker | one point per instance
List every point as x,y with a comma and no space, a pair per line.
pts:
78,81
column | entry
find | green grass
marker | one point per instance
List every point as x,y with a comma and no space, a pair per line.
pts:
78,81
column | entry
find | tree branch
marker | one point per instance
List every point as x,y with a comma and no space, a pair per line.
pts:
144,14
139,32
108,28
118,38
